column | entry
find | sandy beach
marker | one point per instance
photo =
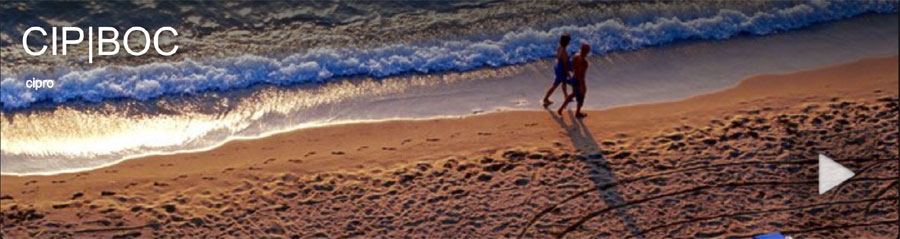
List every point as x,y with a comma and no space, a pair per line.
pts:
730,164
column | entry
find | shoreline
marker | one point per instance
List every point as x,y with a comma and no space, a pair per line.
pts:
522,40
753,80
295,130
521,163
55,141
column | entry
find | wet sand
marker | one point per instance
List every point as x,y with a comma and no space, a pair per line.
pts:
734,163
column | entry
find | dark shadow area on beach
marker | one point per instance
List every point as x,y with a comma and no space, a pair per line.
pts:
599,169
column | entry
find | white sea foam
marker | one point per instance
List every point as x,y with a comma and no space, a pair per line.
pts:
149,81
81,136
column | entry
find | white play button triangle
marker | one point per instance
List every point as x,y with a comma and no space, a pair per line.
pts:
831,174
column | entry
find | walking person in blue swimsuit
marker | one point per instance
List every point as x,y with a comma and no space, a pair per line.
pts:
562,69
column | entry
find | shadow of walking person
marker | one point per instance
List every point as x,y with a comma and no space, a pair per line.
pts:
599,170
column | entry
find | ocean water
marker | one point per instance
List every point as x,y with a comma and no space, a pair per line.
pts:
122,108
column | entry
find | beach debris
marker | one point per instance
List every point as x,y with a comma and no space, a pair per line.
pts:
774,235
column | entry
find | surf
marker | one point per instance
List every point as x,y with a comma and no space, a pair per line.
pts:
320,65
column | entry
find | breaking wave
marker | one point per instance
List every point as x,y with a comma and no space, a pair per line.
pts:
149,81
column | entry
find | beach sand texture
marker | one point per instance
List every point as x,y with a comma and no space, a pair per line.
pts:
734,163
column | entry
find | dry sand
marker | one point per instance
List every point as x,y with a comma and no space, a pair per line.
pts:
734,163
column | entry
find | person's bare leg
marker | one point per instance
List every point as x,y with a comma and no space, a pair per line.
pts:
565,103
578,111
547,101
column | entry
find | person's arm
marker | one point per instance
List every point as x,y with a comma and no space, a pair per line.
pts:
583,82
561,57
560,53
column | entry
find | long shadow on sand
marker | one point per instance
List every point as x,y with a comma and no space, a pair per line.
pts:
599,169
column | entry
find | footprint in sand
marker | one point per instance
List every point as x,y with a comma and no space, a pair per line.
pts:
60,205
522,182
433,139
337,153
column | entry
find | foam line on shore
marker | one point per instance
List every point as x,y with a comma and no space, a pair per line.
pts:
153,80
349,122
